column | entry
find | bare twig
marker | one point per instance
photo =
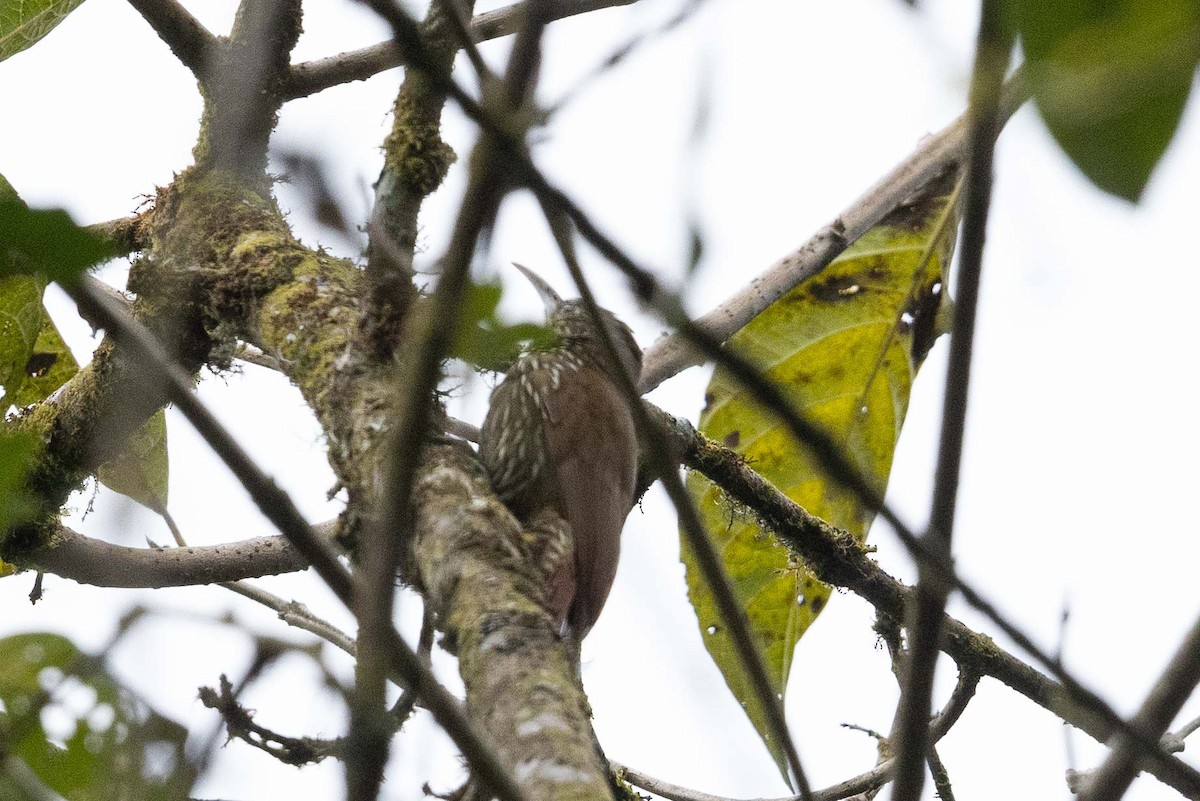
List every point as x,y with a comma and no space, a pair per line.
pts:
407,701
295,614
622,52
1186,731
239,723
1163,703
358,65
466,40
462,429
190,41
279,509
941,777
910,733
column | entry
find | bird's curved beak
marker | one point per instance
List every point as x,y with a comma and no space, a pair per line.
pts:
550,298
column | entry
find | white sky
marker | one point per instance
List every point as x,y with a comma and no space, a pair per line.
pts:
1079,462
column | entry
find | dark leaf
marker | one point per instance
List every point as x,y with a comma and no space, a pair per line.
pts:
47,243
1110,80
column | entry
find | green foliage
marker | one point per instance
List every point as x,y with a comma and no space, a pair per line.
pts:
484,340
1110,79
7,192
46,242
49,366
24,22
105,743
844,346
21,318
141,471
16,507
34,360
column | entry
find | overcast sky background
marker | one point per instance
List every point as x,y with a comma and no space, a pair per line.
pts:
1080,467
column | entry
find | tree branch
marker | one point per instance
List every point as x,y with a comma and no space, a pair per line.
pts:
279,509
508,607
477,572
415,162
244,89
127,234
190,41
101,564
311,77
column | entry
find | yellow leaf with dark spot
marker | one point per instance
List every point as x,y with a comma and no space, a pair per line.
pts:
844,346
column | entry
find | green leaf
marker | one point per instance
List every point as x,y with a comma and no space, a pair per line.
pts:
16,507
142,470
115,745
32,366
844,346
1110,80
21,319
7,192
46,242
24,22
50,365
486,341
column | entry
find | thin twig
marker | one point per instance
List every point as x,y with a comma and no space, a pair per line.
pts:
294,614
466,41
622,52
462,429
1187,730
910,733
239,723
190,41
940,776
282,512
1162,704
407,701
357,65
661,463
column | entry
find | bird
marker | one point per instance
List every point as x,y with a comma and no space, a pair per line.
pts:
559,435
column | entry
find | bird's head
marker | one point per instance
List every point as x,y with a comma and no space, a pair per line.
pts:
574,326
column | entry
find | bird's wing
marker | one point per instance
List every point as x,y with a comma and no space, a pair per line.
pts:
593,447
